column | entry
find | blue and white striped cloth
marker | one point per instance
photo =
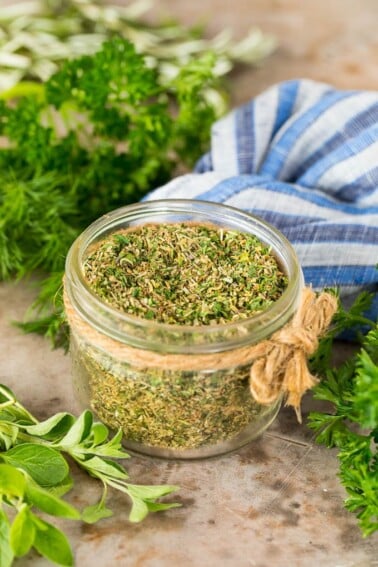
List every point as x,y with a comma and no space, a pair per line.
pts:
304,157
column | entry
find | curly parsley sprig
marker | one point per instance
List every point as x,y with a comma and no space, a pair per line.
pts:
99,134
352,424
34,475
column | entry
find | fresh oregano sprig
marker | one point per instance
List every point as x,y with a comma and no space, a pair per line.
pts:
34,475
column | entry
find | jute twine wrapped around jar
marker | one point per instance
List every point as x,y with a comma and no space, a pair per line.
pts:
278,364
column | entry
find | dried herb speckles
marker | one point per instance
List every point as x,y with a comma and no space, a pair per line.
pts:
185,274
176,410
179,273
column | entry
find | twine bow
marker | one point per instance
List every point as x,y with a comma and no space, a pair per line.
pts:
282,369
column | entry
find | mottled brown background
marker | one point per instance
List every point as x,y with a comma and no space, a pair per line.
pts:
335,41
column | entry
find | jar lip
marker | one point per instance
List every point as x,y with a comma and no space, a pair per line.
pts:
103,225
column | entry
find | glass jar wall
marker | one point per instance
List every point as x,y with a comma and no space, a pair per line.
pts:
176,391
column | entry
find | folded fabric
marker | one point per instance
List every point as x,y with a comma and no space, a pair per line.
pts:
304,157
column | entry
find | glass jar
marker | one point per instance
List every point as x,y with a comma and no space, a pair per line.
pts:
195,407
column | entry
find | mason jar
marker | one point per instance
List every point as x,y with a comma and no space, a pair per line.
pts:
175,391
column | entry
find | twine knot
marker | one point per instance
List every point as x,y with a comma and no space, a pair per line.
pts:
282,368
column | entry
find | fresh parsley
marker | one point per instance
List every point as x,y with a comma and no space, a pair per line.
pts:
34,475
352,423
100,133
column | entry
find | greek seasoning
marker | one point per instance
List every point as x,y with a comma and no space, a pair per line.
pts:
164,300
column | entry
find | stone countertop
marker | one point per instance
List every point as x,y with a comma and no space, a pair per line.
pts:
333,41
277,502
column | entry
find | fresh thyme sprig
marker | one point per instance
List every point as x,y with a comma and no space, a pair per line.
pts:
34,474
352,425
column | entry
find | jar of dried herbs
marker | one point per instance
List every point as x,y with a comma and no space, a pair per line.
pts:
164,301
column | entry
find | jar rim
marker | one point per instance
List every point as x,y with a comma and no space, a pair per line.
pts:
103,316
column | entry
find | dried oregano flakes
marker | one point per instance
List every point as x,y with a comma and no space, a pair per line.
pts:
185,273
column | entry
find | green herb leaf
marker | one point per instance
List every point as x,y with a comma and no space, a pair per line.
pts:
146,492
34,476
142,498
6,552
8,433
366,389
47,40
12,481
100,466
6,395
62,487
160,506
112,448
100,433
49,503
79,431
56,425
52,543
139,510
45,465
11,410
22,532
96,512
352,425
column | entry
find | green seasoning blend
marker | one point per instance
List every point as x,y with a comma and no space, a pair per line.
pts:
169,298
185,274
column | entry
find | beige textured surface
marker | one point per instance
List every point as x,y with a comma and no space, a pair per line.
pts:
335,41
276,502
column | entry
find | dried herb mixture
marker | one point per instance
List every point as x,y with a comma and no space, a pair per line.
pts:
178,273
185,273
170,409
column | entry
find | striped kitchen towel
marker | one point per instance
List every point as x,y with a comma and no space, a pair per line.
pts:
304,157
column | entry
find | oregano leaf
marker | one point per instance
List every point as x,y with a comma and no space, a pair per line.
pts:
79,431
96,512
58,424
22,532
44,464
12,481
139,510
52,543
49,503
6,552
147,492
